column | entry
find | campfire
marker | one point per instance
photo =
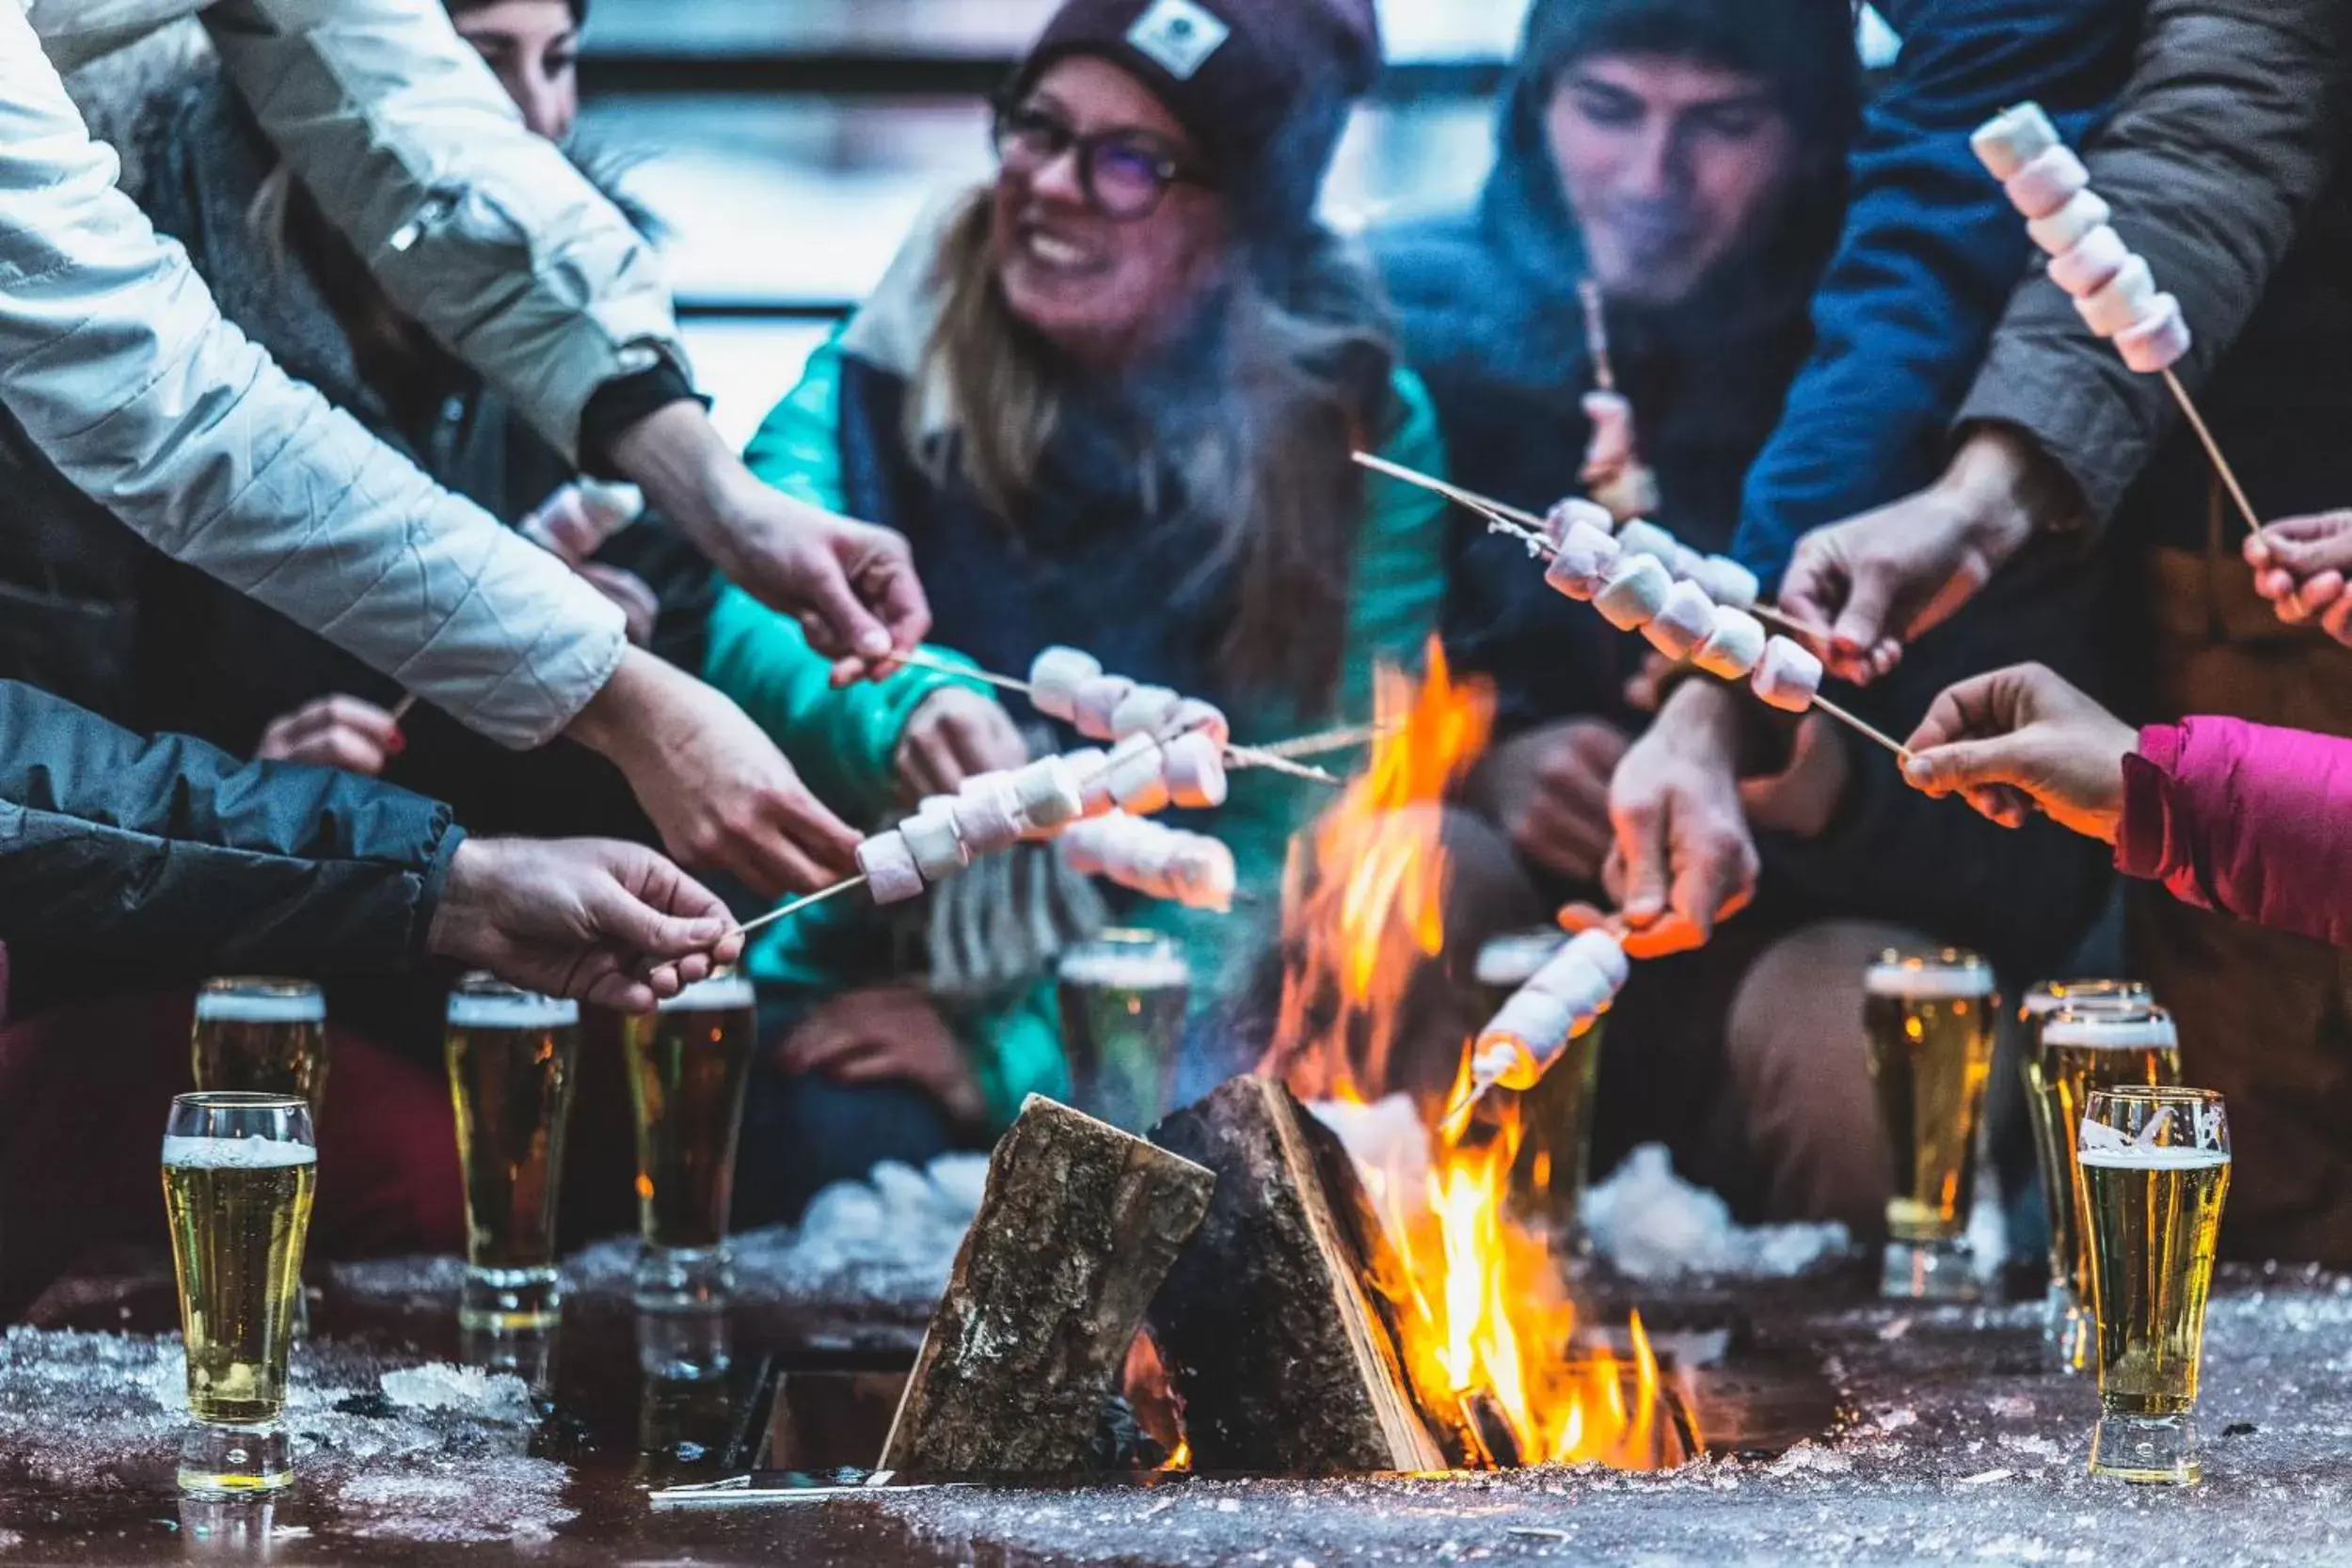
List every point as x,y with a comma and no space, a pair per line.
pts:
1487,1328
1322,1291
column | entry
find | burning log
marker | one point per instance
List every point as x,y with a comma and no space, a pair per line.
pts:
1078,1229
1276,1333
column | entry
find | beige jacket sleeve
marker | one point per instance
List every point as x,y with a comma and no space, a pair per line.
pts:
118,364
475,227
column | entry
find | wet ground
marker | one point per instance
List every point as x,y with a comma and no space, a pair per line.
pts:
1945,1441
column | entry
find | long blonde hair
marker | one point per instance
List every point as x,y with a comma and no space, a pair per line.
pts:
1301,355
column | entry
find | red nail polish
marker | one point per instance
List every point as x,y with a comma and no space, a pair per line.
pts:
398,744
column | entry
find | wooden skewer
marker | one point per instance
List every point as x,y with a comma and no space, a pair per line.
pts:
789,911
1240,756
1597,335
1329,741
1863,727
403,708
2213,451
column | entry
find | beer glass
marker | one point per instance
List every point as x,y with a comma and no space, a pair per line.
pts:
1927,1023
2156,1164
261,1036
2088,1045
1555,1158
512,1058
239,1172
688,1065
1123,1022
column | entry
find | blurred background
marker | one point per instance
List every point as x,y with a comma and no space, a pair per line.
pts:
789,144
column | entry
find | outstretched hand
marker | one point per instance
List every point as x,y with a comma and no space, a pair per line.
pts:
606,922
2300,565
2021,740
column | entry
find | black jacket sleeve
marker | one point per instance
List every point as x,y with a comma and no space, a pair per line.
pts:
2217,151
168,857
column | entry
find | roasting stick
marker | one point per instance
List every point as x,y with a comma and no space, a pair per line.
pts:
789,911
1533,528
1597,335
1242,756
2213,451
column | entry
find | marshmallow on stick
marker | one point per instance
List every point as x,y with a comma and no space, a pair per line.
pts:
1566,997
1158,862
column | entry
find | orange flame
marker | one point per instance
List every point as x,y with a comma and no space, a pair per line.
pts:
1488,1328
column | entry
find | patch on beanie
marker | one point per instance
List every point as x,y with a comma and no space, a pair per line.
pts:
1178,36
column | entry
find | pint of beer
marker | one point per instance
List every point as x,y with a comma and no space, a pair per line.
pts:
1555,1157
261,1037
688,1065
512,1058
2156,1164
1123,1022
1928,1020
239,1172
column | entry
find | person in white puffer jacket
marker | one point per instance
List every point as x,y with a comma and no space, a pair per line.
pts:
116,361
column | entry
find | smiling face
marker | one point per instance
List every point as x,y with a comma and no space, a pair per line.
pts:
1100,288
533,45
1669,165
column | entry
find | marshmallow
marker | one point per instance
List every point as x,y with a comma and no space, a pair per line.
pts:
1533,1029
2091,264
988,819
1641,538
1565,515
2048,181
1686,620
1731,585
1613,444
1635,593
1790,676
2123,299
1096,700
1203,876
930,836
1604,952
2158,340
891,874
2013,139
1081,846
1194,766
1587,554
1570,979
1631,492
1736,647
1150,855
1139,776
1046,794
1193,716
1055,676
1143,711
2067,228
1687,564
1091,766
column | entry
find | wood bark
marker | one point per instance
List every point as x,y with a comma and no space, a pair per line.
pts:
1276,1335
1076,1230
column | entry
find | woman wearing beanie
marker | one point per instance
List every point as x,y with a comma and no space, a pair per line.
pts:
1110,399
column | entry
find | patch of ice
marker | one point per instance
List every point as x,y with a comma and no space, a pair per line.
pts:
1653,1224
465,1390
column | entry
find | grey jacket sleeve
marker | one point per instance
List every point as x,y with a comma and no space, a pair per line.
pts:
166,855
2221,144
475,227
118,364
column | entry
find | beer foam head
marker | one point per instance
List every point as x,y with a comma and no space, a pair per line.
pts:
720,993
236,1153
1513,960
2056,995
1142,968
482,1002
2113,1029
1920,977
2156,1157
260,1002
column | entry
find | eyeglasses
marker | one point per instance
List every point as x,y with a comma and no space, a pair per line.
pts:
1124,174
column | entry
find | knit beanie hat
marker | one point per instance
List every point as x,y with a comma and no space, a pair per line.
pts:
1262,85
1804,48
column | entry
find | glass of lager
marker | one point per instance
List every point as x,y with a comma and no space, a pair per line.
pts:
2155,1165
687,1065
512,1058
1927,1023
1123,1022
2091,1043
1556,1115
239,1173
261,1036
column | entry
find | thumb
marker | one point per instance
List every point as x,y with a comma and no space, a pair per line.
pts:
1861,625
1965,765
617,917
829,598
